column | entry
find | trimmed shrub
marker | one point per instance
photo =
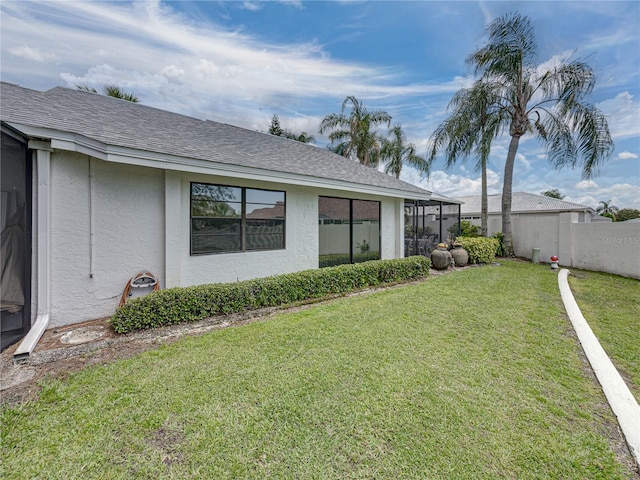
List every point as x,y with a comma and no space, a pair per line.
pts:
188,304
343,258
480,249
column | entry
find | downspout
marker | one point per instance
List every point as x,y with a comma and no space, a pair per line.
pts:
92,243
43,192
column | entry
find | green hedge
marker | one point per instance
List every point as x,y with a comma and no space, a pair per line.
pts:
188,304
342,258
480,249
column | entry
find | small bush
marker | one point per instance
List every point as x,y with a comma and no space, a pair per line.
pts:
480,249
188,304
501,251
467,229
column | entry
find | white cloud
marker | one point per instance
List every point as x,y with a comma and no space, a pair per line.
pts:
621,195
627,155
173,73
33,53
623,115
452,185
524,164
586,185
147,45
588,192
253,6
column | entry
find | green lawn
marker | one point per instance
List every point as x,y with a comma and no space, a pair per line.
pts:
475,374
611,306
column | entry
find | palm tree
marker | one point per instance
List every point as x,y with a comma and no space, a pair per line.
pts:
472,126
397,152
352,135
607,210
555,193
110,91
549,104
303,137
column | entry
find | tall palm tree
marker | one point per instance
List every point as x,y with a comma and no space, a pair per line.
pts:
397,153
471,127
606,209
549,104
352,134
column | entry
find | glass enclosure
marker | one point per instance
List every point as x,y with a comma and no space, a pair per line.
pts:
427,223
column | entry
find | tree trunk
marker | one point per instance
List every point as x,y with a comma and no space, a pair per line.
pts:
484,215
506,194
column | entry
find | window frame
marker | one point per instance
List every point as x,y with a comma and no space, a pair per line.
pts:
243,219
351,222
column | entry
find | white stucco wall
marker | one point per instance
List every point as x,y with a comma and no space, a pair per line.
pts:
301,239
129,205
535,230
128,219
608,247
612,247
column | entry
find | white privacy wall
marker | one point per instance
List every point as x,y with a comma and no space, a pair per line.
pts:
535,230
608,247
612,247
127,205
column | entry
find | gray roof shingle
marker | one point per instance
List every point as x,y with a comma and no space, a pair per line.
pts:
116,122
520,202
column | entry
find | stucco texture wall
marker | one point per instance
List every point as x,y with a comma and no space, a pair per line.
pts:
127,205
608,247
535,230
612,247
301,239
301,244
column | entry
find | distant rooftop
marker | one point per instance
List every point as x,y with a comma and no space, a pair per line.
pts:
521,202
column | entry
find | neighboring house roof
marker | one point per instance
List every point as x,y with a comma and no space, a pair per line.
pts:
444,199
122,131
521,202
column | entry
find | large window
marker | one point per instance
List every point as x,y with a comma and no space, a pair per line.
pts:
349,230
235,219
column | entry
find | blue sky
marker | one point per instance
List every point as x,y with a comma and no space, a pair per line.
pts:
242,62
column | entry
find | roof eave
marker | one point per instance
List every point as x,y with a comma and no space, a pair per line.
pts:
67,141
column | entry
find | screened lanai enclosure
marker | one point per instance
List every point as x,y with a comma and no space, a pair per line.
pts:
15,224
427,223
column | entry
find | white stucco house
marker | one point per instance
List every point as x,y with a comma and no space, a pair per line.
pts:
96,189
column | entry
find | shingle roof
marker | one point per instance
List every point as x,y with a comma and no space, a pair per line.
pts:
116,122
520,202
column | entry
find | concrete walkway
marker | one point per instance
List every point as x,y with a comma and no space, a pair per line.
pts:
622,402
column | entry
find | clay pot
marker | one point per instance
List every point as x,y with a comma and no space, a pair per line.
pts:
460,256
440,258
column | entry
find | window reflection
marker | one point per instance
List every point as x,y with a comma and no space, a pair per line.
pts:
231,219
349,230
